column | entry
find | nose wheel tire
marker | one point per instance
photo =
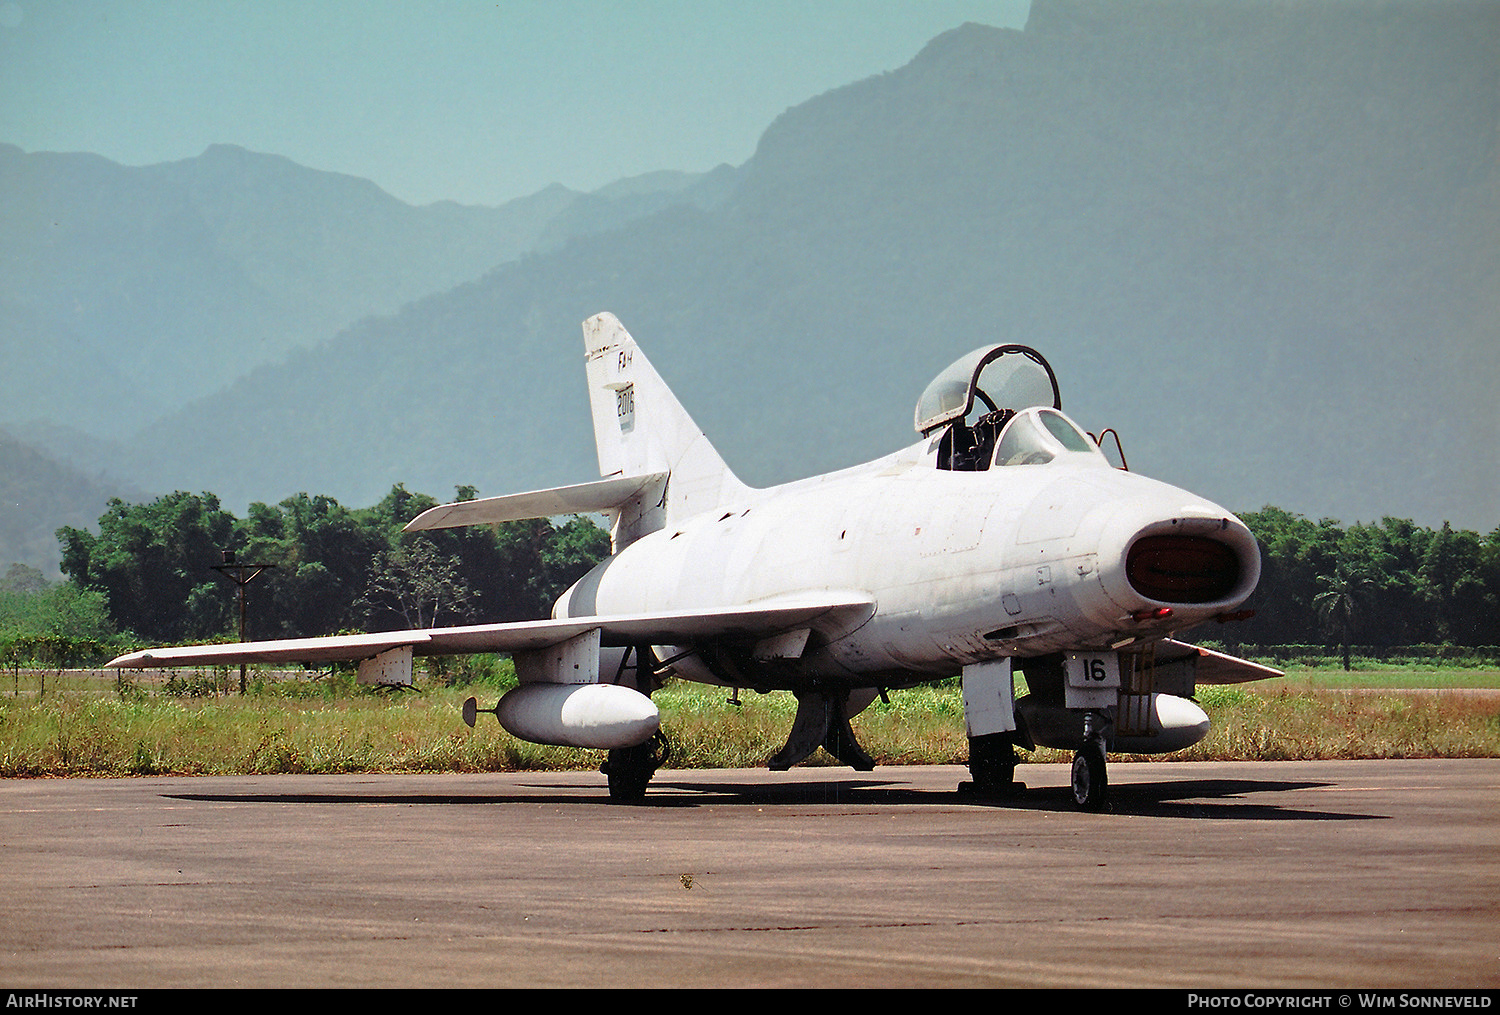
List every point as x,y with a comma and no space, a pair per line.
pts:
1090,780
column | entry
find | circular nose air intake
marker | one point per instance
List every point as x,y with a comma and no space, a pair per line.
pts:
1182,569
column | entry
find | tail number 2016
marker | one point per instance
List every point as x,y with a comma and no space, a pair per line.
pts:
625,407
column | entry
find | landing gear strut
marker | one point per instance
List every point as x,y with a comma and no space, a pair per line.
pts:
1090,779
994,729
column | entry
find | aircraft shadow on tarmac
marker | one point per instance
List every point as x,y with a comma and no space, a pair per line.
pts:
1204,799
1197,798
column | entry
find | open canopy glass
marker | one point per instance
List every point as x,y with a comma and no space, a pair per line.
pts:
1010,377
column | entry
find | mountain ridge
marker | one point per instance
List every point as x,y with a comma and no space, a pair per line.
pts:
986,215
1259,240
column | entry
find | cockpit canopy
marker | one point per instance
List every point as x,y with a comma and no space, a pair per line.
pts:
1013,377
1020,421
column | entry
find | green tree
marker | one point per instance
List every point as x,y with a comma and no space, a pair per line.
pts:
20,578
417,582
1294,551
60,610
1344,595
1454,580
323,554
152,562
1394,612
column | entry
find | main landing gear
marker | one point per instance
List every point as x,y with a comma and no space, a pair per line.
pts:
992,763
629,769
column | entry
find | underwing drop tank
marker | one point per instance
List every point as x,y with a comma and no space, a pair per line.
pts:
1147,724
591,716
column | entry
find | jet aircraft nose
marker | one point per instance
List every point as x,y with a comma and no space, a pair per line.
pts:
1169,549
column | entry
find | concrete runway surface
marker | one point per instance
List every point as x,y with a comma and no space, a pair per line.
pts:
1285,874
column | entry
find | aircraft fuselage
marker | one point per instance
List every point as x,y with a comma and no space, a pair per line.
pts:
963,566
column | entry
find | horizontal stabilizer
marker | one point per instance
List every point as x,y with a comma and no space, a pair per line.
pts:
754,623
582,499
1212,667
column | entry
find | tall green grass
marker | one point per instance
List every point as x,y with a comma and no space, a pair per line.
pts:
72,724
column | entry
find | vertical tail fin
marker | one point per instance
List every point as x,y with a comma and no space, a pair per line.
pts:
641,428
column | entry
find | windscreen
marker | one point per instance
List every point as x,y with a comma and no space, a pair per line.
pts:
1035,438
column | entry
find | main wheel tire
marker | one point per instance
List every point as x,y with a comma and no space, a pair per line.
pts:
630,769
992,762
1090,779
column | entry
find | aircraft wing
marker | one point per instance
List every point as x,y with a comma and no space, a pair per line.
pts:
761,620
1212,667
580,499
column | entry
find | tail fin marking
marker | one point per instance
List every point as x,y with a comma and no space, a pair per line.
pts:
641,428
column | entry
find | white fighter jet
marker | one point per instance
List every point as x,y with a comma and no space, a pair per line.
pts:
1004,538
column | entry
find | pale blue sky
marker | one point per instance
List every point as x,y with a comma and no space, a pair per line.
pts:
472,101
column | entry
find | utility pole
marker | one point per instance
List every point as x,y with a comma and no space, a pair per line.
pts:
237,572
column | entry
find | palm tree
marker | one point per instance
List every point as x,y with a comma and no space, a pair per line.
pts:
1344,595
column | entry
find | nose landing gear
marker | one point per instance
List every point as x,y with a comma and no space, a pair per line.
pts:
1090,778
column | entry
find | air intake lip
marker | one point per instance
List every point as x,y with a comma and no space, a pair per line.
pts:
1183,569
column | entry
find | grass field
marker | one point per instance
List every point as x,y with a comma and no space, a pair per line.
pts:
1376,676
91,724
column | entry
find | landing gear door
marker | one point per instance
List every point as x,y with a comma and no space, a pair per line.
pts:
1093,680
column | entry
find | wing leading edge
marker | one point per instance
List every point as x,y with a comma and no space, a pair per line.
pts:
757,621
1213,667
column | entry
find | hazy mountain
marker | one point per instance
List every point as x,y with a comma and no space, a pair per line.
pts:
619,203
128,292
38,496
1259,239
